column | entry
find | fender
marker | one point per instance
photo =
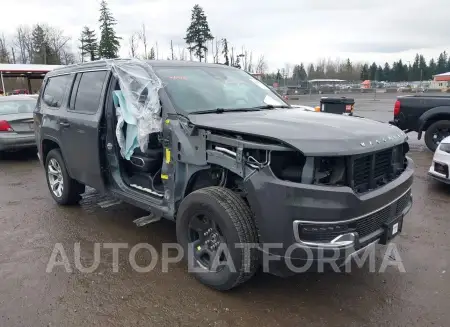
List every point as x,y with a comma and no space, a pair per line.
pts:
432,114
55,140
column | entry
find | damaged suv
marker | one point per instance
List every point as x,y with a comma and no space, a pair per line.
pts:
249,180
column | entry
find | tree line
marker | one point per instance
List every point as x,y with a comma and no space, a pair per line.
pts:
43,44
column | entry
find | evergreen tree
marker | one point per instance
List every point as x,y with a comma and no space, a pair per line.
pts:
198,33
364,72
442,63
379,76
348,72
109,42
42,52
225,52
89,45
373,72
152,55
278,76
432,69
299,73
311,71
387,72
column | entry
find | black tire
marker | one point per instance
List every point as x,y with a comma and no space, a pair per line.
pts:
431,131
72,190
235,220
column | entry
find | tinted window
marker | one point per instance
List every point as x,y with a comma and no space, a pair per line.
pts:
17,106
54,90
89,92
205,88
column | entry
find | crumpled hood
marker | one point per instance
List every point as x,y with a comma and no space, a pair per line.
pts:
313,133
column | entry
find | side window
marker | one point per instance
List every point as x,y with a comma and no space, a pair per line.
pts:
88,92
55,89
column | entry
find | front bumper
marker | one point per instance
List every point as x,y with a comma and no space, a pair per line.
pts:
15,141
311,222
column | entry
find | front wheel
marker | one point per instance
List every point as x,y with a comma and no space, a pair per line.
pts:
436,132
63,189
217,232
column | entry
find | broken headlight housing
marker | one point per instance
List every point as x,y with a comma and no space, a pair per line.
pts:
294,167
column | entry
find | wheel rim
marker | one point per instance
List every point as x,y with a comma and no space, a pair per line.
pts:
205,238
440,134
55,177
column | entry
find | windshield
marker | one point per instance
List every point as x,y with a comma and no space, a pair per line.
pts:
17,106
196,89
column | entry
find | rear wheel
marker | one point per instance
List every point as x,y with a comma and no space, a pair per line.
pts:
436,132
64,190
217,231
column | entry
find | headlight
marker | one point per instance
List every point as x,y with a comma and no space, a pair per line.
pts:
445,147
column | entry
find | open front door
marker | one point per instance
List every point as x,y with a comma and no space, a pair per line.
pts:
81,128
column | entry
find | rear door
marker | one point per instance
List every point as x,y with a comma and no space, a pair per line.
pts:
80,130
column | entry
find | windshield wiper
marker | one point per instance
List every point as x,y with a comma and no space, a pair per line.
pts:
271,106
222,110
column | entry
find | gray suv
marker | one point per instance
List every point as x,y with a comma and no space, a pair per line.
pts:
250,181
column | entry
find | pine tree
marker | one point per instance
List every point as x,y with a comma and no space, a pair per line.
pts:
225,52
109,42
387,72
198,33
152,55
311,71
365,72
373,72
42,52
442,63
89,45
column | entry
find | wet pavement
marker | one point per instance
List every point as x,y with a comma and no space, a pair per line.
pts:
31,224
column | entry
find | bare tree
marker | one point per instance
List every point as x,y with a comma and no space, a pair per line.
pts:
218,49
171,50
4,53
134,44
23,43
250,63
143,38
182,53
56,40
261,65
244,55
157,51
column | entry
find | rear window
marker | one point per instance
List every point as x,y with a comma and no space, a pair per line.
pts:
17,106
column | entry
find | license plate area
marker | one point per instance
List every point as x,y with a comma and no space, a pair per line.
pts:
391,230
441,169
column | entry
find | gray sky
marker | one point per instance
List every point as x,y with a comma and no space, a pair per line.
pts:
285,31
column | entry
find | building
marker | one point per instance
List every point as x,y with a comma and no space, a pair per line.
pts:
440,81
24,77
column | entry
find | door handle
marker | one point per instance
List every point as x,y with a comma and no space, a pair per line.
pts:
64,124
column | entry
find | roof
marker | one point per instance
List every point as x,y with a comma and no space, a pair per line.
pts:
19,97
325,80
100,64
443,74
27,68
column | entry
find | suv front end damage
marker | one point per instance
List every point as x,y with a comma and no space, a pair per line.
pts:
317,208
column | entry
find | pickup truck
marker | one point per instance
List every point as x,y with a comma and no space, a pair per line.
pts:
424,113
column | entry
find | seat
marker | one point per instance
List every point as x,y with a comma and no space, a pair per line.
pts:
151,160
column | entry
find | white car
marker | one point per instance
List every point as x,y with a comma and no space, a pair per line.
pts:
441,162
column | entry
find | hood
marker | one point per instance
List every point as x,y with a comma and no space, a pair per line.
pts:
313,133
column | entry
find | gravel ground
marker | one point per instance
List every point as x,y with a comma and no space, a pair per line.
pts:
31,224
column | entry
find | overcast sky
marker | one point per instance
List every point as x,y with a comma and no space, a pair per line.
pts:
285,31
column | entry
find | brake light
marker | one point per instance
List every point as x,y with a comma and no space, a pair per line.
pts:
5,126
396,108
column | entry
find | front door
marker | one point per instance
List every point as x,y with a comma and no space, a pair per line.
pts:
81,128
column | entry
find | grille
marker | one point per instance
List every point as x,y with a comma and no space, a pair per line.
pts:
374,170
363,226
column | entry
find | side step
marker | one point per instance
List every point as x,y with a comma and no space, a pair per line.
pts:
109,203
151,218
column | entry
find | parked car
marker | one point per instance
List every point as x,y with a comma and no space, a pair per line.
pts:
230,169
439,169
16,122
423,113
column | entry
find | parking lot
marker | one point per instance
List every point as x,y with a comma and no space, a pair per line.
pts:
31,224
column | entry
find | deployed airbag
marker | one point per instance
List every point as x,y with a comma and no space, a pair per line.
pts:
137,104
